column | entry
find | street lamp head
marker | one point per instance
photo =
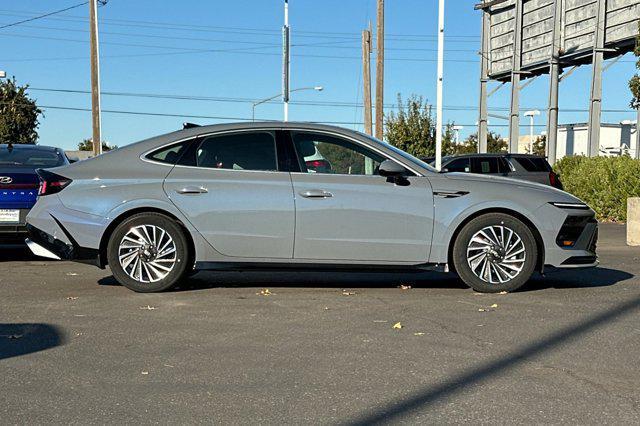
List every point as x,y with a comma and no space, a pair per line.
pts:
457,127
318,88
532,113
3,74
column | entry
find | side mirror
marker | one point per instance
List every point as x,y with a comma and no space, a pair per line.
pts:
73,159
390,168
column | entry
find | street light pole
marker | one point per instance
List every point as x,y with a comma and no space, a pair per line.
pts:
531,114
262,101
285,61
439,85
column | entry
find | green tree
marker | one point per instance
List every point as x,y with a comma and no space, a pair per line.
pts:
412,128
18,114
634,83
539,146
87,145
495,143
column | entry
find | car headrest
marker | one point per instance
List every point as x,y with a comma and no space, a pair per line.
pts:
306,148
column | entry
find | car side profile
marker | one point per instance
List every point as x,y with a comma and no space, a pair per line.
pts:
249,196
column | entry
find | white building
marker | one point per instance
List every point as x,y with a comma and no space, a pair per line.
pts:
615,139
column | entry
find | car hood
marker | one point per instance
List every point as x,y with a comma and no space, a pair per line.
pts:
551,193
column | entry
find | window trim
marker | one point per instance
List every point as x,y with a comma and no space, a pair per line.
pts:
274,129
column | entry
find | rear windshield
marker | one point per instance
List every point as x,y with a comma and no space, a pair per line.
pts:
533,164
30,158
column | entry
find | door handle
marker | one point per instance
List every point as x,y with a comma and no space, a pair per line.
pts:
192,190
316,193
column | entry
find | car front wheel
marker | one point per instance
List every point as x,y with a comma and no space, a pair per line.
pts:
148,252
495,252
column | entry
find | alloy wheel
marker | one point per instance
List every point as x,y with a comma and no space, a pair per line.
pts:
496,254
147,253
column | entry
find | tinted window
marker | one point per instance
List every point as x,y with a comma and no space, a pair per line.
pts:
30,157
169,154
485,165
240,151
533,164
319,153
503,165
459,165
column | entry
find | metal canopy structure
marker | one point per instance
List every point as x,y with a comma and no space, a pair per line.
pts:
526,38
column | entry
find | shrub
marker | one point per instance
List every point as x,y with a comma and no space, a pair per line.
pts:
604,183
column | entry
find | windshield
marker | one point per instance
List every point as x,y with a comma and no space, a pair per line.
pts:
403,154
30,157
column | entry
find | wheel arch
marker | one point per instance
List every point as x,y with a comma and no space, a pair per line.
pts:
534,230
104,241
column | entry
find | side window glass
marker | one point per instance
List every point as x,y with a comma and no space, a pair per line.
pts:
503,166
460,165
240,151
169,154
319,153
484,165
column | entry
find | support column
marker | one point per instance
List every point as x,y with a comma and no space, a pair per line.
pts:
554,83
514,114
637,153
484,79
595,105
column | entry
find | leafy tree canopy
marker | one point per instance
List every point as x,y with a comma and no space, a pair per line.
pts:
18,114
87,145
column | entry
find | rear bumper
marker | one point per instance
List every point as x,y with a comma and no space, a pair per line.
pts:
11,233
45,245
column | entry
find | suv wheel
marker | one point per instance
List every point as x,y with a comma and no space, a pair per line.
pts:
495,252
148,252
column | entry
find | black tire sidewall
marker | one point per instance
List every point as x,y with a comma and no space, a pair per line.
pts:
460,252
176,233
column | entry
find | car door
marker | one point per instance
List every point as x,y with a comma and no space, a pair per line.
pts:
345,211
230,188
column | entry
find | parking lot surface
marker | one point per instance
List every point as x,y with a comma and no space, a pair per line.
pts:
239,348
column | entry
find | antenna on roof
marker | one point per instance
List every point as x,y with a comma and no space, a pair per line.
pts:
187,125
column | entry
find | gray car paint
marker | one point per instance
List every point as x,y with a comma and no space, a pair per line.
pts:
121,181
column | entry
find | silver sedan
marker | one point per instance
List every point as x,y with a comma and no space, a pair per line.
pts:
299,196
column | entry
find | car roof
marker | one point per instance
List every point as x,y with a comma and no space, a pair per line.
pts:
491,155
194,130
29,146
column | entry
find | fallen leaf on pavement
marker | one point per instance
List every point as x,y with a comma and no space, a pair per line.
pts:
145,372
71,274
265,292
148,308
482,310
348,293
397,326
495,305
418,334
72,298
503,292
404,287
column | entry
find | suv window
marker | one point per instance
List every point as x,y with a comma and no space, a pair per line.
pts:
485,165
459,165
320,153
533,164
239,151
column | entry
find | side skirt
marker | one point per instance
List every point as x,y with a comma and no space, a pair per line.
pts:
316,267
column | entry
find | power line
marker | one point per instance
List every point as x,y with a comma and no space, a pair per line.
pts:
43,16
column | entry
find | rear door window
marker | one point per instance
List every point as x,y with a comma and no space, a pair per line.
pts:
240,151
459,165
533,164
485,165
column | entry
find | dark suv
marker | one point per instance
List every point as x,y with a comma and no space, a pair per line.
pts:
518,166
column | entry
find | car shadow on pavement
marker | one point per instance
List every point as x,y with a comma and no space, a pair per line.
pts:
575,278
16,253
18,339
399,410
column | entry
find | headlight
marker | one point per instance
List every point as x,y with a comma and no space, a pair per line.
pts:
574,206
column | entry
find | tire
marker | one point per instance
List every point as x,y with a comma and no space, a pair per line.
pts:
490,261
150,262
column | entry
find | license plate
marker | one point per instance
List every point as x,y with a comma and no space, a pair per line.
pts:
12,216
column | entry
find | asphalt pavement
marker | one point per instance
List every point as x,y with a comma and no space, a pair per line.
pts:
328,348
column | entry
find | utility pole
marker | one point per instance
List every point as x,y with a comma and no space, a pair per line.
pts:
285,61
380,71
95,78
439,85
366,78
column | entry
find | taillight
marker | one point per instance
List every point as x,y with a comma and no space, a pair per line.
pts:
51,183
554,180
318,164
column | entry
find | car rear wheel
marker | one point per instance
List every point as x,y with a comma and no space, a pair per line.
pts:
148,252
495,252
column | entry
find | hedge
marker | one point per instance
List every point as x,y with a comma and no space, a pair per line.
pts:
604,183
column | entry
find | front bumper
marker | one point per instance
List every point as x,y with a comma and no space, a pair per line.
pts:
584,230
45,245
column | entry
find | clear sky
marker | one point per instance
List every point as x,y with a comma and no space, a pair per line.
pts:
230,51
